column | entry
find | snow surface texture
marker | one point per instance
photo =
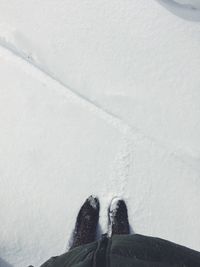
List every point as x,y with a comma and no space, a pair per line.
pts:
96,97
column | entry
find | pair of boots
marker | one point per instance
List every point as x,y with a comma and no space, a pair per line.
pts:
88,216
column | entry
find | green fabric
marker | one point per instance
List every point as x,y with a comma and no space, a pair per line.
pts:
78,257
128,251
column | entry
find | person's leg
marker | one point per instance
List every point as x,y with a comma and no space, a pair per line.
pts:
118,217
86,223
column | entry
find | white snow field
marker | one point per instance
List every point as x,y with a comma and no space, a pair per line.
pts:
97,97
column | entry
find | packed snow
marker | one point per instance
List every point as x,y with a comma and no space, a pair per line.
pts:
97,97
92,200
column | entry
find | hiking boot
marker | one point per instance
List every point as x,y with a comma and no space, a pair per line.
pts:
118,217
86,223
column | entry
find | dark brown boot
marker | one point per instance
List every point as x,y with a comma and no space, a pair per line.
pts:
118,217
86,223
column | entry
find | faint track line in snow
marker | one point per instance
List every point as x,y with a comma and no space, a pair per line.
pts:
111,118
108,116
26,60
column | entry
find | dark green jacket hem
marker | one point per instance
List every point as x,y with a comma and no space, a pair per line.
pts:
128,251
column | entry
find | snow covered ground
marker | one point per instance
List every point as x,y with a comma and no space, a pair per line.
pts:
96,97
